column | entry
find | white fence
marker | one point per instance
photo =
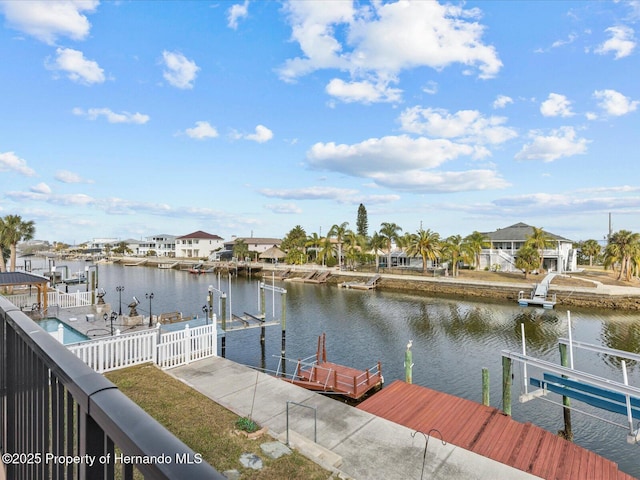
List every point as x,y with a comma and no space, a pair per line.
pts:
166,350
55,298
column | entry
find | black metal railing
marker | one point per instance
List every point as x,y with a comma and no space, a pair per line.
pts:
61,420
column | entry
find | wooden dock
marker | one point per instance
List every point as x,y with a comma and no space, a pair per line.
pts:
368,285
487,431
328,377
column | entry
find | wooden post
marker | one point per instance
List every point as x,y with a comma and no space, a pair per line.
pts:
567,433
485,386
408,364
506,385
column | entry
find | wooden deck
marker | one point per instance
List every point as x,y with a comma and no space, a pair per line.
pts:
328,377
489,432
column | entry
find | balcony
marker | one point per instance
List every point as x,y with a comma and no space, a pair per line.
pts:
61,420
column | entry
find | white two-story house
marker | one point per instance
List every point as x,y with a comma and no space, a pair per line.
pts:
505,242
198,245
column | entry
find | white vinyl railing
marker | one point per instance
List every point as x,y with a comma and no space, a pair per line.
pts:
29,301
166,350
185,346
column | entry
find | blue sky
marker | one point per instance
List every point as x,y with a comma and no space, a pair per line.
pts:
128,119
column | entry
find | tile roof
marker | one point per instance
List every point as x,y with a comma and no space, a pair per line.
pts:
200,234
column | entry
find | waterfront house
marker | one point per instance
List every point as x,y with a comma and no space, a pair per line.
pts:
505,242
254,244
198,245
162,244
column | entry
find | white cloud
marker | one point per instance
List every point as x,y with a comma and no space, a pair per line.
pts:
41,188
615,103
382,40
364,92
78,68
391,153
202,130
560,143
569,40
261,135
339,195
65,200
47,20
466,125
441,182
66,176
283,208
556,105
180,71
309,193
237,12
431,87
502,101
622,42
111,116
10,162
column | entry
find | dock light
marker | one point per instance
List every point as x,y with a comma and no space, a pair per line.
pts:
120,289
150,297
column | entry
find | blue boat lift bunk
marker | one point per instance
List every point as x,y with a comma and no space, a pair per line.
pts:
539,296
603,393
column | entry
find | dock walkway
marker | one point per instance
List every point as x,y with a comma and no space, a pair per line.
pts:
489,432
352,442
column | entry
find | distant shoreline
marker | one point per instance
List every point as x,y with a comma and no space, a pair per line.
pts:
593,295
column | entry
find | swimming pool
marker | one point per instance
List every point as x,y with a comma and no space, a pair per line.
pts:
174,327
69,335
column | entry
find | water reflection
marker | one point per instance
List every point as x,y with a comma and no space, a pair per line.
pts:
621,335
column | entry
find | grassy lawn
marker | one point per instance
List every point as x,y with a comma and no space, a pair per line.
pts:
206,427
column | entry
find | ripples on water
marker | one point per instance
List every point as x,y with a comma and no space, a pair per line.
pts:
452,340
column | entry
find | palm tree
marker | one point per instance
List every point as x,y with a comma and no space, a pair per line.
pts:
326,251
454,248
353,243
623,248
313,243
591,248
339,231
390,232
474,244
5,253
426,244
13,231
539,239
240,249
527,258
377,242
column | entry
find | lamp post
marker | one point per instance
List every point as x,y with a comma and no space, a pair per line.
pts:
120,289
208,309
150,297
113,317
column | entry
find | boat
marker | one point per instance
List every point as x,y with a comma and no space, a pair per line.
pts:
539,296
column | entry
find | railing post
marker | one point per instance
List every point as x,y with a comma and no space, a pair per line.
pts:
506,385
187,344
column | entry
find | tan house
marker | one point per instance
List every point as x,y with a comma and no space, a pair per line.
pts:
198,245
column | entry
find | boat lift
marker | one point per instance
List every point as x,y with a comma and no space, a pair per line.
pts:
603,393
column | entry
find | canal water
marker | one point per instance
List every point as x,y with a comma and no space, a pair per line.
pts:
452,339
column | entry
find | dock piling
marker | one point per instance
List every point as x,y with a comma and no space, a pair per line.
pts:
506,385
485,386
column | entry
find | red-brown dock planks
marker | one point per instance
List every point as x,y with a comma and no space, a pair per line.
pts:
489,432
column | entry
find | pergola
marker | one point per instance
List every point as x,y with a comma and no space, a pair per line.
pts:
12,279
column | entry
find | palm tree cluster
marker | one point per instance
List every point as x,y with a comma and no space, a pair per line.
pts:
623,252
345,247
13,230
